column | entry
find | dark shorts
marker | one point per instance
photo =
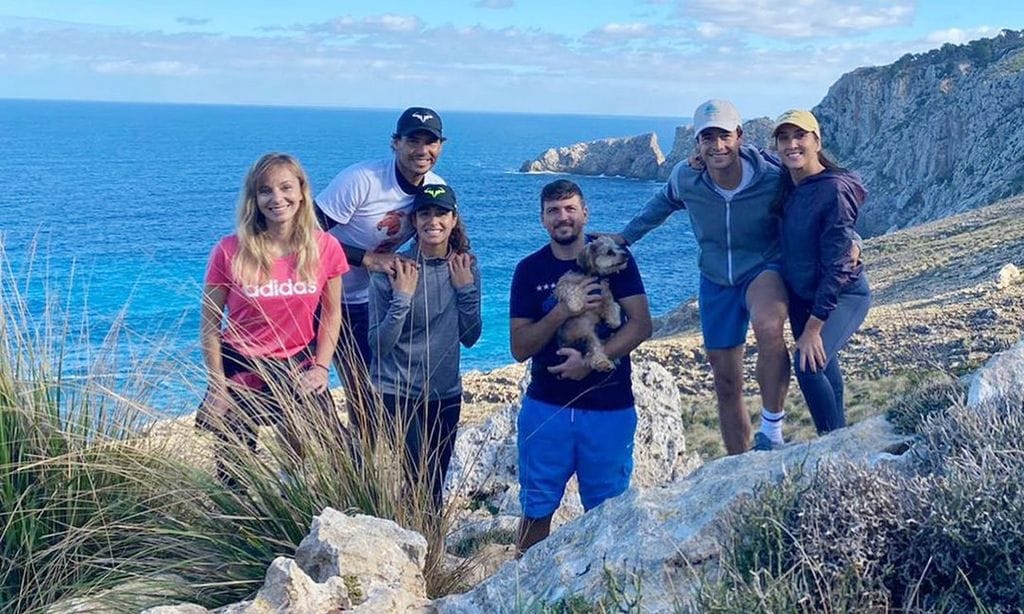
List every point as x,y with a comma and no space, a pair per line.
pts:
724,314
554,442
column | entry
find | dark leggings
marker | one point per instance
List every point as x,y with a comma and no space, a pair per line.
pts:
429,428
823,389
269,403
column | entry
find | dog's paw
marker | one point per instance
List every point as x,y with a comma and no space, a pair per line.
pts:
600,362
613,315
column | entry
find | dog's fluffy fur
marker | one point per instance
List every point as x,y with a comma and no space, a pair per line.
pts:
600,258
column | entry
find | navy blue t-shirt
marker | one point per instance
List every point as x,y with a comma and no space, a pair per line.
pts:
532,297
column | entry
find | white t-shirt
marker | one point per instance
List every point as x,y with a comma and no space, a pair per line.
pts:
372,212
748,176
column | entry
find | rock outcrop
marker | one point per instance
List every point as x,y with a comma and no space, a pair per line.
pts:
483,475
1002,377
351,563
660,535
638,157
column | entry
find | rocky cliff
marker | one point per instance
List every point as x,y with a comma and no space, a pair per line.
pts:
933,134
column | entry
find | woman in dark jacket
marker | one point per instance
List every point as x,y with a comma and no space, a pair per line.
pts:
828,291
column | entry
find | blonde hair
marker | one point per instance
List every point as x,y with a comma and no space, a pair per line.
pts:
253,264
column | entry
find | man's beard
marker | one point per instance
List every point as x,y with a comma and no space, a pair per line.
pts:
567,240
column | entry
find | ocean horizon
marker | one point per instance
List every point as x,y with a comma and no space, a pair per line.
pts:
110,210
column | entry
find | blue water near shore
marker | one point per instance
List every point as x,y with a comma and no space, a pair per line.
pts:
117,205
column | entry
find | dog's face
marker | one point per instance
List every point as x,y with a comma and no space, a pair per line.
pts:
602,256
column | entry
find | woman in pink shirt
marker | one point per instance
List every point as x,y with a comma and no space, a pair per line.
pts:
269,278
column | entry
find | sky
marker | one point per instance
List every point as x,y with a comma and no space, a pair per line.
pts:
604,57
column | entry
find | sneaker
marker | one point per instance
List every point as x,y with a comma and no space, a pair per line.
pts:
763,443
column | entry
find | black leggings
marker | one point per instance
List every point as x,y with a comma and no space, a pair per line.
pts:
273,395
429,428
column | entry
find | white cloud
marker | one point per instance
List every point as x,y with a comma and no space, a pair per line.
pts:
958,36
494,4
628,30
798,18
166,68
624,67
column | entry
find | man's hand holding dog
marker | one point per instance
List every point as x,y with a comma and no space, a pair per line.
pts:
574,367
461,268
404,279
591,291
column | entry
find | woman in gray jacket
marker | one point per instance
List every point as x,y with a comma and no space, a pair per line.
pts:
420,316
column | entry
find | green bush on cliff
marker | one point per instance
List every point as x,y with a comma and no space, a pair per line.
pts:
943,535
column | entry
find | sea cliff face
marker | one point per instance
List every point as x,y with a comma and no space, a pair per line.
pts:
932,134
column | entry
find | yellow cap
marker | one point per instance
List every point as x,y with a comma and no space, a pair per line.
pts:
804,120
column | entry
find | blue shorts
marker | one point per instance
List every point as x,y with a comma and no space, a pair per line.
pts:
555,442
724,315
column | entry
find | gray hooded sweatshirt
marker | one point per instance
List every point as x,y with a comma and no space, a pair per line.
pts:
415,339
735,236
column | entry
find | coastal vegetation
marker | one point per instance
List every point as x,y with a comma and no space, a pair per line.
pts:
101,502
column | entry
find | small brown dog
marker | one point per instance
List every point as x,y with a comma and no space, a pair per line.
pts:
600,258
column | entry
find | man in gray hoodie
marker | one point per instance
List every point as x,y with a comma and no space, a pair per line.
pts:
730,203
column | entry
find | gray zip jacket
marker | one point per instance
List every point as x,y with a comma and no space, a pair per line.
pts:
735,237
415,340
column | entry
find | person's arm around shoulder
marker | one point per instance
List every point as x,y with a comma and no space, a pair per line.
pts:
465,277
655,211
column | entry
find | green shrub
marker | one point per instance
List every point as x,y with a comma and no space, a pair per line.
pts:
931,395
969,547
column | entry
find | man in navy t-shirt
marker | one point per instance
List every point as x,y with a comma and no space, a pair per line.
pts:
573,419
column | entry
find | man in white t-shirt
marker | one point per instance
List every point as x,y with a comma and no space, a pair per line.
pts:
366,207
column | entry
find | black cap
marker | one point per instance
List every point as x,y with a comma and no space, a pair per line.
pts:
434,195
415,119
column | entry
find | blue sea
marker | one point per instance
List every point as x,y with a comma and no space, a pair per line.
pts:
116,206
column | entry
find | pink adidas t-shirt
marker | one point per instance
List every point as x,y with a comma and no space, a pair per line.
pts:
274,320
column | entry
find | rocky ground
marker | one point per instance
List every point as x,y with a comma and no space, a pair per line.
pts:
939,306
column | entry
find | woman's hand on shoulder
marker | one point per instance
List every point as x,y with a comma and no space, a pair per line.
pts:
461,269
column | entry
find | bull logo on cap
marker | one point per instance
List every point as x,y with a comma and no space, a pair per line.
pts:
433,192
423,117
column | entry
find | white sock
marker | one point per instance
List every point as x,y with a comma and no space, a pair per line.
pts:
771,424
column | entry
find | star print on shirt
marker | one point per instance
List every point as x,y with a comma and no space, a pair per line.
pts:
543,287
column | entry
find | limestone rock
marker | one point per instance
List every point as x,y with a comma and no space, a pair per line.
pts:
184,608
1001,377
636,157
381,561
1008,275
657,534
288,589
920,131
483,468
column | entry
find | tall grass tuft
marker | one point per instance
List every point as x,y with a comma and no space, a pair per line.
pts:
101,502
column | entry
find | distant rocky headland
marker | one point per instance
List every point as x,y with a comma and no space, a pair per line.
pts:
933,134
